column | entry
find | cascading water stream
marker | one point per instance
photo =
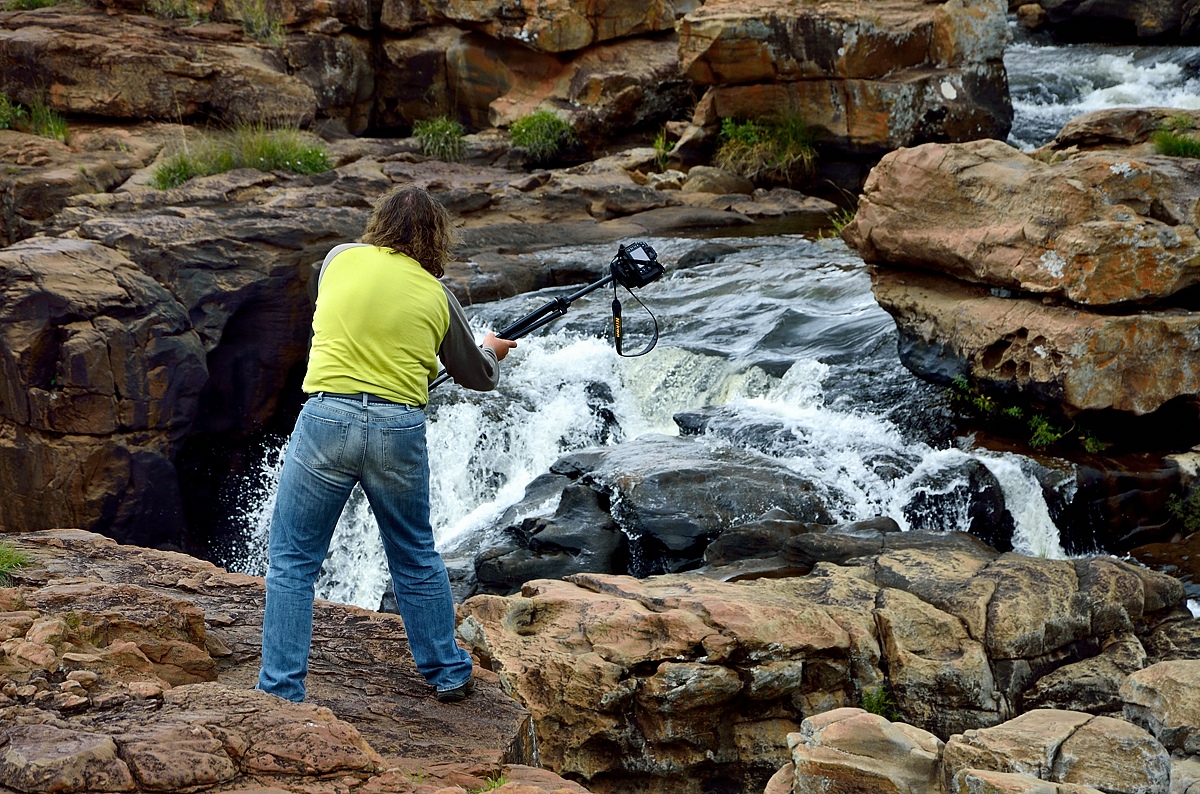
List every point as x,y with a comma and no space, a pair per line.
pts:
783,335
1053,83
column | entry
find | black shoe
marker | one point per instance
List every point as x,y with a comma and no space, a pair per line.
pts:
458,694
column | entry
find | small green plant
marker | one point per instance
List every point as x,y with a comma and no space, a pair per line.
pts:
45,122
246,146
441,138
173,9
258,22
1181,122
543,134
28,5
491,782
662,149
11,113
1186,509
1042,431
1176,144
11,559
774,150
879,701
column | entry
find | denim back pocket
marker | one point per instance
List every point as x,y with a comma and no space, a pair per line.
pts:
403,448
321,441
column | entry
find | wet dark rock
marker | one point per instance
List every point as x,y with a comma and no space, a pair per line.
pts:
963,496
705,254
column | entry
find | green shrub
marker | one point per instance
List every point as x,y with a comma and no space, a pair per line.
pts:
11,113
11,559
543,134
1186,509
775,150
1176,144
662,149
1042,431
173,9
246,146
878,701
441,138
28,5
258,22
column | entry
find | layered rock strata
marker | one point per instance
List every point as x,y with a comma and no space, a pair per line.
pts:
683,677
864,82
132,670
1055,278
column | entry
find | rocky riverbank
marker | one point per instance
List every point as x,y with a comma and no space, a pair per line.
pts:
127,669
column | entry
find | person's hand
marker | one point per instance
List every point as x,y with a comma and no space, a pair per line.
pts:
499,346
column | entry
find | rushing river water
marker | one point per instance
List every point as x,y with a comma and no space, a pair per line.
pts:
783,332
1053,83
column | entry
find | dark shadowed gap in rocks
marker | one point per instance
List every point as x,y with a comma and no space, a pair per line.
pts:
776,385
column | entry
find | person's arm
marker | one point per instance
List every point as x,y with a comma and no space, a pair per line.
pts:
471,366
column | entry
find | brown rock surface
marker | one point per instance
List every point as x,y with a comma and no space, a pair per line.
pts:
564,25
1048,745
1096,229
1070,357
105,612
611,667
866,83
88,62
1164,699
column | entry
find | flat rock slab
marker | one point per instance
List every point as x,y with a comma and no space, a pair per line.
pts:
92,711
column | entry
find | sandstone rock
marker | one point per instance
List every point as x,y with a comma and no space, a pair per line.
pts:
46,758
980,781
1114,128
1071,358
1045,744
154,69
1132,21
564,25
863,83
706,179
98,353
1092,685
1031,16
1097,229
1163,699
1115,755
851,750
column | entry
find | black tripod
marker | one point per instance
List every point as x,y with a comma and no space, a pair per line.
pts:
635,265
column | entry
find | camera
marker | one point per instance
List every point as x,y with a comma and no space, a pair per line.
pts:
636,265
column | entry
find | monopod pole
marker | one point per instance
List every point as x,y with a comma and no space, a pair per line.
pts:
538,318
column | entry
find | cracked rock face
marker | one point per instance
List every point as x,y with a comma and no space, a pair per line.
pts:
612,668
1061,278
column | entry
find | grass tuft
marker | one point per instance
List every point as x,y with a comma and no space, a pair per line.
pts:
441,138
174,9
773,150
246,146
11,559
1174,143
45,122
879,701
258,21
543,134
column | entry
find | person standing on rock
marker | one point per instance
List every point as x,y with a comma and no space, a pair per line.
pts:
382,320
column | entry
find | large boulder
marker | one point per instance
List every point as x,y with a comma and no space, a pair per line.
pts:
1096,229
682,677
1146,20
1163,698
101,376
865,83
565,25
1062,747
1060,355
88,62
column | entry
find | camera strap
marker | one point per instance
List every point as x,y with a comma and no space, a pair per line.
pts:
618,330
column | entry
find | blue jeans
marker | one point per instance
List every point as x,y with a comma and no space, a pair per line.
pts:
339,442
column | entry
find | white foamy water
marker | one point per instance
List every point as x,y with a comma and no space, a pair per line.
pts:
1051,84
783,337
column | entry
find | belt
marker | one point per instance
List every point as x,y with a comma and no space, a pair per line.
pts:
360,397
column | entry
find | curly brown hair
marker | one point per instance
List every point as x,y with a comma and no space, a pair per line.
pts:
410,221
